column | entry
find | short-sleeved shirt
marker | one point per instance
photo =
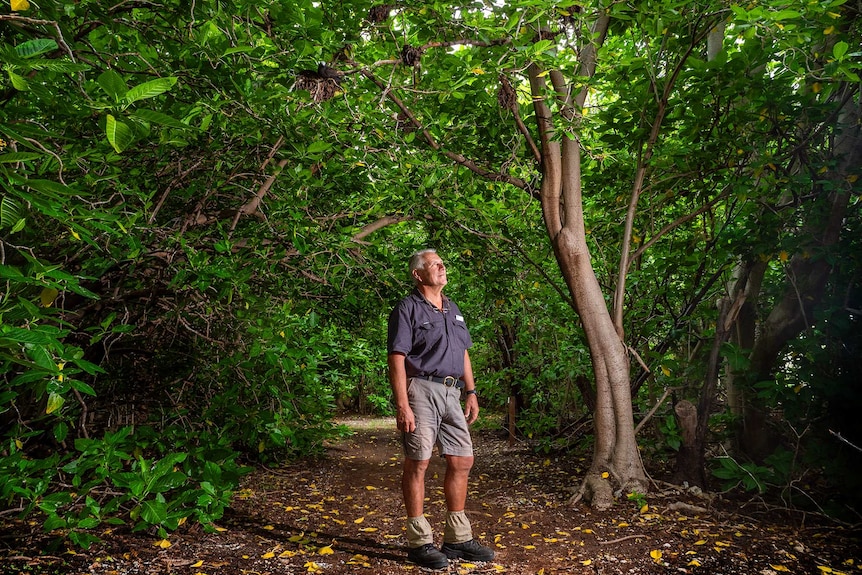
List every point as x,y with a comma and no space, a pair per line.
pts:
432,341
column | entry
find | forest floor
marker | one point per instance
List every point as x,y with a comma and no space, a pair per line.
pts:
342,513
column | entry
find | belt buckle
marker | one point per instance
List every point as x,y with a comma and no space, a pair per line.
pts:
450,381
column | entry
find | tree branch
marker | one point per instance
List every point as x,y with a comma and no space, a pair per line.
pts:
376,225
431,141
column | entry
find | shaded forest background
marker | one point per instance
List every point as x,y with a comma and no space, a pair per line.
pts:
207,211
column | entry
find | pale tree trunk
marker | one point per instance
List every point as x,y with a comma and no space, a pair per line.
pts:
616,453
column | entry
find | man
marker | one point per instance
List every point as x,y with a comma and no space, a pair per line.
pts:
428,368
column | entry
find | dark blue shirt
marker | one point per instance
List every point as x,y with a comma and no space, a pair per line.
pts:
432,341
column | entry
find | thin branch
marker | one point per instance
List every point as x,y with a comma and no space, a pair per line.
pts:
252,205
841,438
674,224
376,225
652,411
431,141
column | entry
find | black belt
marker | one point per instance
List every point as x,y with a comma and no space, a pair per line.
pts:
448,381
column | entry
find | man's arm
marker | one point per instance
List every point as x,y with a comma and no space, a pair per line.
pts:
471,404
398,380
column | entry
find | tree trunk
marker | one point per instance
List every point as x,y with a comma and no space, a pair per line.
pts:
690,458
807,273
615,451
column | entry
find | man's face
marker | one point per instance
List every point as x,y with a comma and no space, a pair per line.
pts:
434,272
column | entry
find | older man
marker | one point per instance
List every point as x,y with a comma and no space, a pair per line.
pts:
429,368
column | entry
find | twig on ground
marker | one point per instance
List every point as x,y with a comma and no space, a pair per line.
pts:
626,538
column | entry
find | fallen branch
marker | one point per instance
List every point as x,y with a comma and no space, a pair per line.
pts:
687,508
621,539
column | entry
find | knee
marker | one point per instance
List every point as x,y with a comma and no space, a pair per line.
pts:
415,468
460,464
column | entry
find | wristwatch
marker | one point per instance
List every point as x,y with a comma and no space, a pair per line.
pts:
471,392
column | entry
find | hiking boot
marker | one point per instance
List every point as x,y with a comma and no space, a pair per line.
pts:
427,556
470,550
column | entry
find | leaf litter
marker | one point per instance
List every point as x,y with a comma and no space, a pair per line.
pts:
342,513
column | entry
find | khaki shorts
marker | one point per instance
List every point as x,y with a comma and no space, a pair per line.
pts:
439,420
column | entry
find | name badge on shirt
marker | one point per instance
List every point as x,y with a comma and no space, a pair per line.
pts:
459,318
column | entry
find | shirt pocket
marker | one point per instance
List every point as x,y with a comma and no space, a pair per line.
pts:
429,333
461,334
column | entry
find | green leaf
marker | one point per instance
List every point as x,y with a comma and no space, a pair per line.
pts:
18,82
119,134
318,146
10,212
154,512
14,157
153,117
83,387
55,402
786,15
237,49
839,49
35,47
150,89
50,188
113,84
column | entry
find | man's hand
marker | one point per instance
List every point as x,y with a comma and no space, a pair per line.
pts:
471,408
405,420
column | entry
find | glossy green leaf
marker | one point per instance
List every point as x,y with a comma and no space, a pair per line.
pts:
119,134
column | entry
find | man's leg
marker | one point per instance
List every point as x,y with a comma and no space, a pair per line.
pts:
420,538
458,541
413,486
455,482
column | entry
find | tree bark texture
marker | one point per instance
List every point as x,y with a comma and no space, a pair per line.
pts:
561,196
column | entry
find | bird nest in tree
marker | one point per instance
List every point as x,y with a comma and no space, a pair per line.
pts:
321,88
379,13
410,56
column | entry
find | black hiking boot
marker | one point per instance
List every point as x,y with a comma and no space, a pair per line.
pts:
427,556
470,550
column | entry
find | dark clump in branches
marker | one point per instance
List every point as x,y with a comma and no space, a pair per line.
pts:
379,13
410,56
506,97
322,84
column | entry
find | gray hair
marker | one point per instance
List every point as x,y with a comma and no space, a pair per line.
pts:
417,260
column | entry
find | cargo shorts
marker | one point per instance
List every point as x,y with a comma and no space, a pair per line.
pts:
439,420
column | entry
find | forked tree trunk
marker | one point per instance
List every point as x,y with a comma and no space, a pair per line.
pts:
615,454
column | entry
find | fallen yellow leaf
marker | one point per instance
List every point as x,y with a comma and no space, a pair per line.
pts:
326,550
268,555
694,563
587,562
164,544
198,564
370,487
656,555
359,520
779,568
269,527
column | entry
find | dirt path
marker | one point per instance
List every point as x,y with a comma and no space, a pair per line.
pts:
343,514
